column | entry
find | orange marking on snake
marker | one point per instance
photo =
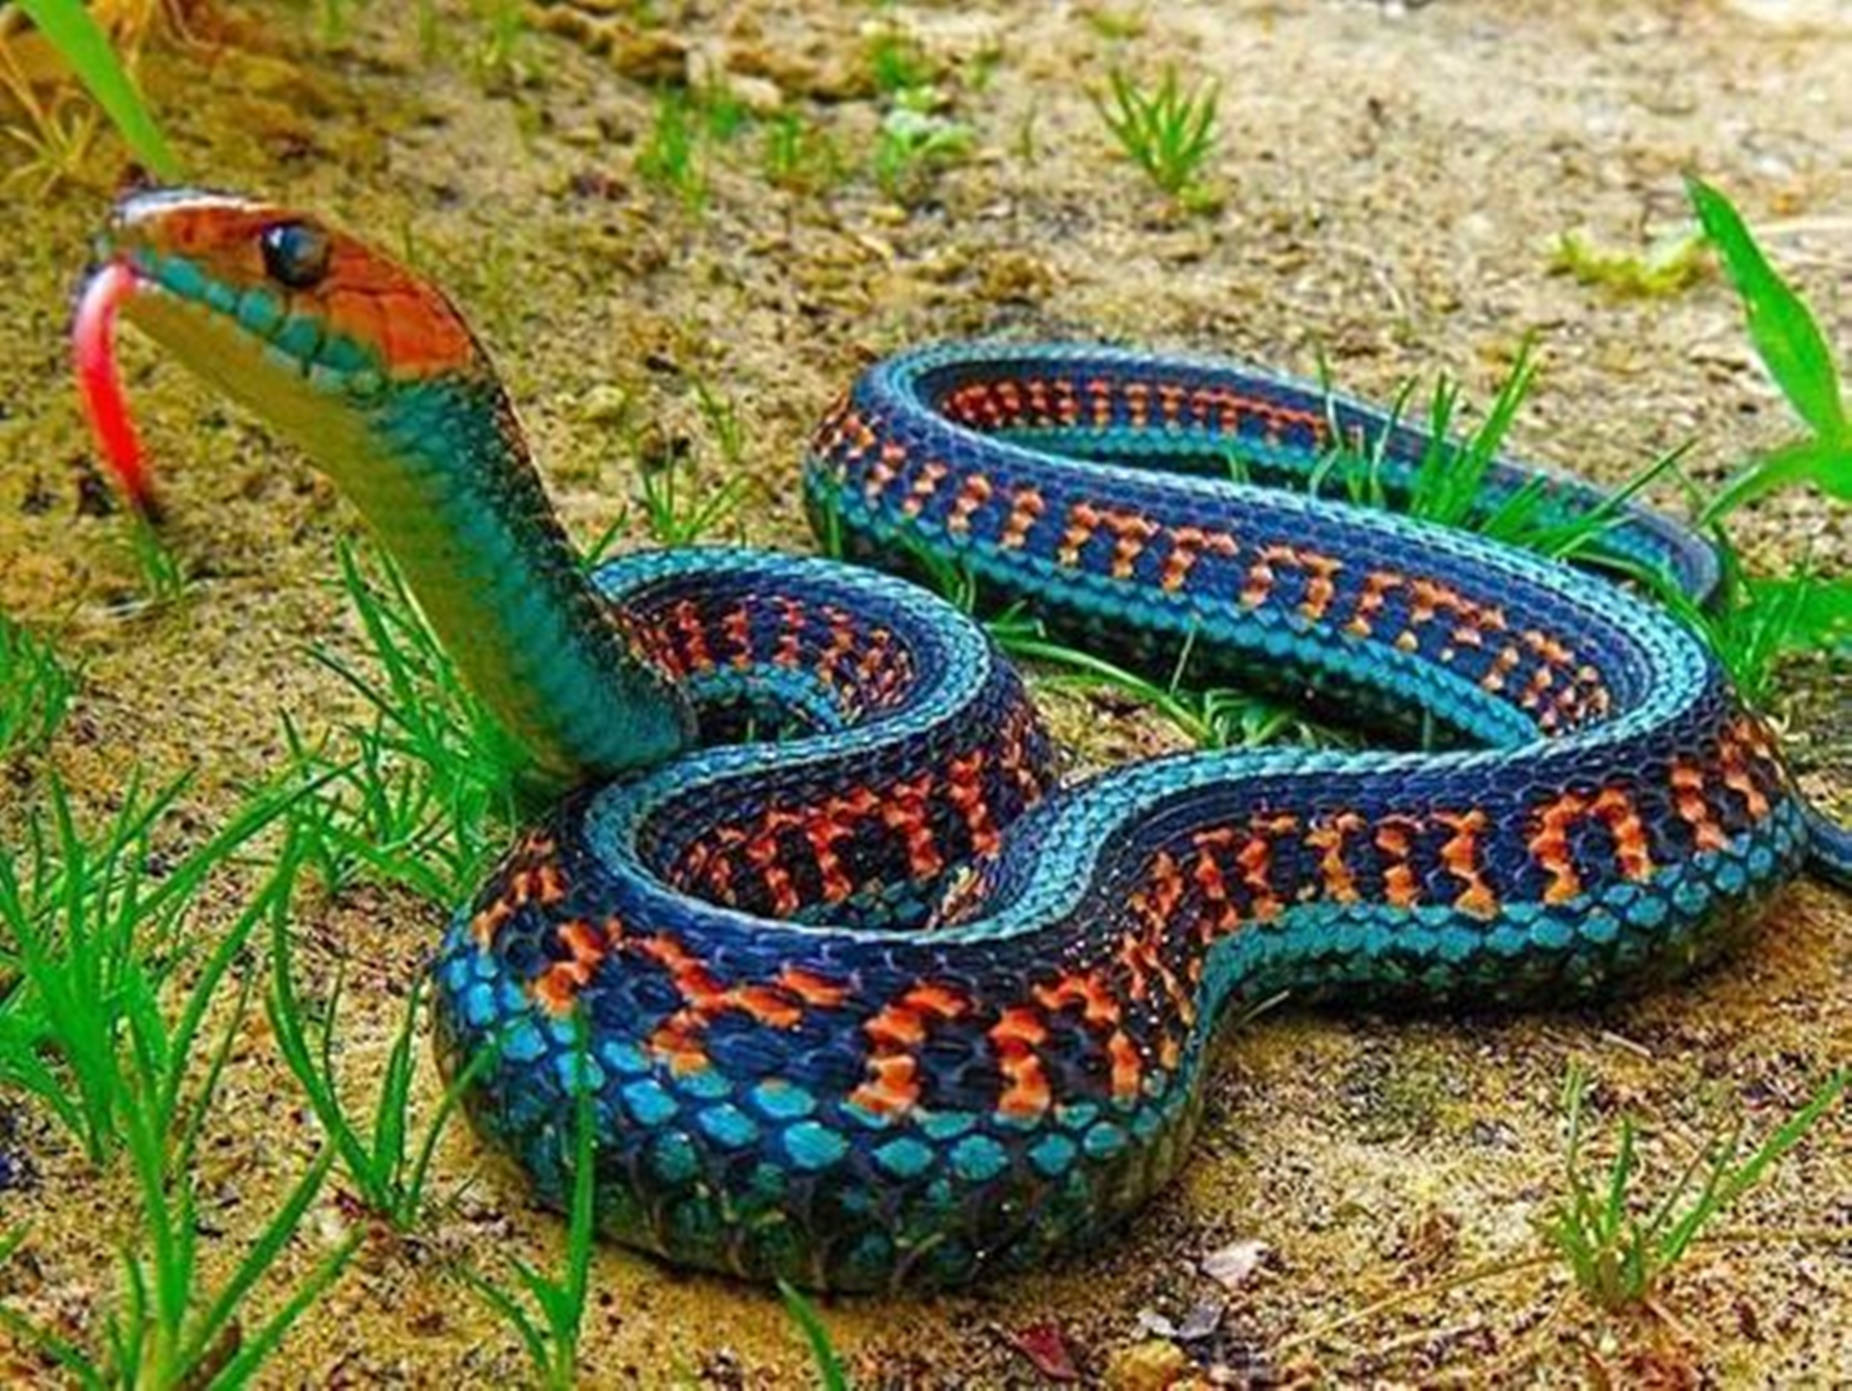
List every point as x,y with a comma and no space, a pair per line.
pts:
693,633
892,1085
972,495
812,988
558,986
1083,519
1099,1007
925,484
789,653
1255,861
1459,855
1099,396
894,1031
1327,836
1015,1036
1026,508
1688,800
1370,598
1549,839
1137,403
1494,678
1320,586
1039,410
965,791
1127,1066
738,628
1395,838
908,811
1736,773
1133,532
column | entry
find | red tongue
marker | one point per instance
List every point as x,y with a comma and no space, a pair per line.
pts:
93,345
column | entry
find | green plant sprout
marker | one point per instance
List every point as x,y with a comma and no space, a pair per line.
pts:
830,1373
433,782
896,62
73,31
94,1001
678,509
36,689
552,1341
1667,266
669,158
1791,346
797,155
90,940
1618,1254
387,1178
164,578
916,142
1607,1242
1169,133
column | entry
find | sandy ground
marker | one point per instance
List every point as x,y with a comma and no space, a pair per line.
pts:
1392,183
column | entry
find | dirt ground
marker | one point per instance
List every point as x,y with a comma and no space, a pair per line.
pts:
1392,183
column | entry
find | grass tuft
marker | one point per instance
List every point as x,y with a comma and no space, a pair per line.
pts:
1793,349
36,688
1167,132
1618,1249
163,577
91,937
552,1340
677,508
670,157
388,1176
421,796
798,156
87,1034
917,141
897,63
74,33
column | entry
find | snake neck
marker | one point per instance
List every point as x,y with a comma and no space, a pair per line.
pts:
442,474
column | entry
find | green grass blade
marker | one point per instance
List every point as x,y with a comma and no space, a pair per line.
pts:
511,1313
1780,324
66,1355
1738,1181
389,1116
261,1256
209,1085
830,1373
284,1010
252,1355
1804,461
434,1129
81,42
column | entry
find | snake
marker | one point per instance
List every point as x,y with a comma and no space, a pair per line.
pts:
862,992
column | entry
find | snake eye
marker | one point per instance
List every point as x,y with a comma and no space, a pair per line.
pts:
295,254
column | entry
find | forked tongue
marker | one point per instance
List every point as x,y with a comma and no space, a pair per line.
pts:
94,348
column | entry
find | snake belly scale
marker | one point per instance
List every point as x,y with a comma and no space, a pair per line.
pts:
882,1002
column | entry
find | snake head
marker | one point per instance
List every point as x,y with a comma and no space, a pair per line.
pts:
303,323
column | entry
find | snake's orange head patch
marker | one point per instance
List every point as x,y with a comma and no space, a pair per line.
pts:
285,313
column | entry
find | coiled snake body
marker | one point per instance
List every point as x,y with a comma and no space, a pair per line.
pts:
880,1003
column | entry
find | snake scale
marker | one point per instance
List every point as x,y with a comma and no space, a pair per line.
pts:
881,1003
